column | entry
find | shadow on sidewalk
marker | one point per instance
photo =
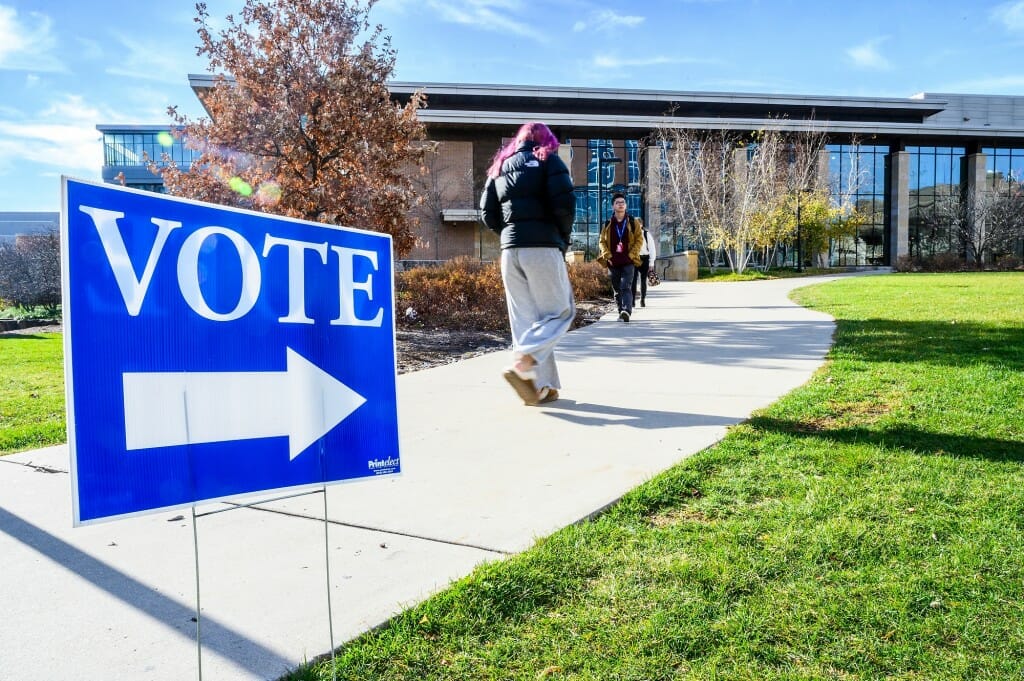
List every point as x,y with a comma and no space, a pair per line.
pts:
586,414
226,642
711,343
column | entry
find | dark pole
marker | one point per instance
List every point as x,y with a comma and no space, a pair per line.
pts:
799,248
611,160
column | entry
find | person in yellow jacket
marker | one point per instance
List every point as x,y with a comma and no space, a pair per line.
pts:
621,239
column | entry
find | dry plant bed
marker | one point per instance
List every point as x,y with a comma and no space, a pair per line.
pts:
424,348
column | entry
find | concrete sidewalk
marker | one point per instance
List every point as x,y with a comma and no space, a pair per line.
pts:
483,477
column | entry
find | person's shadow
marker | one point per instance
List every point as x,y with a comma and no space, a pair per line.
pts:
586,414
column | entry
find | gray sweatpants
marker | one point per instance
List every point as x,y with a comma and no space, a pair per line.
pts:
540,306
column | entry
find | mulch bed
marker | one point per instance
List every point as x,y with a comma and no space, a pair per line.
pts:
417,348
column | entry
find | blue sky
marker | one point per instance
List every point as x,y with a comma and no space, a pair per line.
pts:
68,65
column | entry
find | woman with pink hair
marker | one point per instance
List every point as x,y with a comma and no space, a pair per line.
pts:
528,200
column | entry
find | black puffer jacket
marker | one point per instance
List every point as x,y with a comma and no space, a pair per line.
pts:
531,203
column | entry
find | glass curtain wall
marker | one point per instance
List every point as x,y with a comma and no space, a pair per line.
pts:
857,178
1005,171
1006,165
611,166
935,188
128,149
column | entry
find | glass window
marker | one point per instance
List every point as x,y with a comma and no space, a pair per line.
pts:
944,171
934,192
1002,166
136,149
864,190
633,161
612,166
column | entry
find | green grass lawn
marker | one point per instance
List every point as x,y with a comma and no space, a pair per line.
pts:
870,525
31,391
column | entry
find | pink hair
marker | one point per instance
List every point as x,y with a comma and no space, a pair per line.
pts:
535,132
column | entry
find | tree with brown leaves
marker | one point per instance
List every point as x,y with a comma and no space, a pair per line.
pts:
301,121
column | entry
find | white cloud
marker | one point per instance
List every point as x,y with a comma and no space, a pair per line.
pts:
1010,15
607,20
613,62
490,15
140,60
63,135
26,45
89,49
71,108
867,56
500,16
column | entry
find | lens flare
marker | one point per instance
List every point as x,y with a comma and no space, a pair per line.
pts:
269,193
165,139
240,186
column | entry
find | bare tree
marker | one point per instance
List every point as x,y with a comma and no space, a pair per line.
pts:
706,189
302,123
724,183
979,224
1004,218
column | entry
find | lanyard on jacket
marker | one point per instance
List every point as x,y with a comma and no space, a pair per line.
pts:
620,228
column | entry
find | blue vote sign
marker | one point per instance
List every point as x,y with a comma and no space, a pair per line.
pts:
212,352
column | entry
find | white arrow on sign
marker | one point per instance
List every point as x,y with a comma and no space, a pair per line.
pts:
165,409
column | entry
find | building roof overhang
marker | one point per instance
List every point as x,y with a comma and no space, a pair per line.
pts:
641,126
638,112
608,100
605,101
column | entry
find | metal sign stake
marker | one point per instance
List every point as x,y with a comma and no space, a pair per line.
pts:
199,616
327,565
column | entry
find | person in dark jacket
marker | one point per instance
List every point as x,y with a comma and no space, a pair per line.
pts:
528,200
620,242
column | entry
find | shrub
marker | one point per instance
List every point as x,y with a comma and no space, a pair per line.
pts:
466,294
589,281
459,294
1008,262
945,262
938,262
907,263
